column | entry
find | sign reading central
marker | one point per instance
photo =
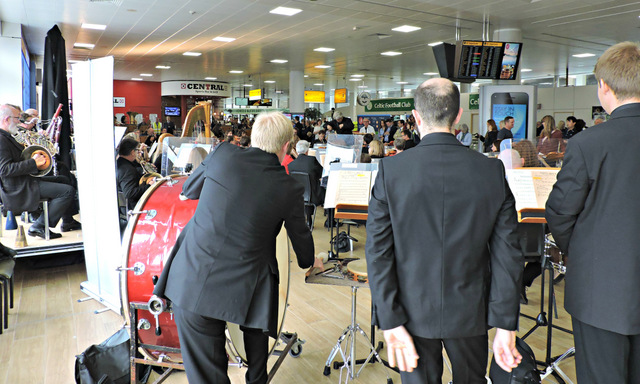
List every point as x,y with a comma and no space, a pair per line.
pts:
195,88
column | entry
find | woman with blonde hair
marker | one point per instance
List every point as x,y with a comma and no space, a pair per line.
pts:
376,149
550,138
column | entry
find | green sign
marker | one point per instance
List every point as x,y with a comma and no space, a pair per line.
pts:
390,105
474,101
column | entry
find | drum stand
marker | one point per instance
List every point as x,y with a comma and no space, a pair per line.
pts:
550,364
348,353
293,346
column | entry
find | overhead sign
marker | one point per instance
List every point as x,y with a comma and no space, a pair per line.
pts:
195,88
474,101
340,95
255,94
118,101
241,111
390,105
314,97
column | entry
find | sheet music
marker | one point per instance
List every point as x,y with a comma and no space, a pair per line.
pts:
530,187
354,187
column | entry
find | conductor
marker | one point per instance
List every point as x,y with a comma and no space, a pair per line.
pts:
443,264
223,266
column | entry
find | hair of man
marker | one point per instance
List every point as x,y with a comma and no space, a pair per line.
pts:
437,101
399,144
572,119
507,119
126,146
337,115
619,68
271,131
302,147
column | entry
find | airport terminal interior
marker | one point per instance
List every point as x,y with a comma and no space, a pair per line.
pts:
181,77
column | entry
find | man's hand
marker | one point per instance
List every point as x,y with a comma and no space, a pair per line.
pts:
41,161
151,180
400,349
504,349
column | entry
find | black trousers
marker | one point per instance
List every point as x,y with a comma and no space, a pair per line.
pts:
605,357
61,197
202,342
468,358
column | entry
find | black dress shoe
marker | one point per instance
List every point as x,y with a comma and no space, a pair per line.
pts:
523,297
40,232
72,226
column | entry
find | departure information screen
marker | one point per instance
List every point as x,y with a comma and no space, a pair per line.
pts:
487,60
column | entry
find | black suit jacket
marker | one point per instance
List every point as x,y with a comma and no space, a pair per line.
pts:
128,177
442,249
504,134
311,166
224,263
19,191
347,126
593,212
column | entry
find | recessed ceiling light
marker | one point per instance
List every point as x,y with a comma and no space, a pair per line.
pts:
357,75
430,73
402,82
324,49
323,66
235,71
526,70
362,86
84,45
247,85
73,61
319,84
581,55
391,53
210,78
306,75
224,39
434,44
285,11
546,83
355,79
269,81
163,67
136,78
406,28
279,61
99,27
146,74
192,54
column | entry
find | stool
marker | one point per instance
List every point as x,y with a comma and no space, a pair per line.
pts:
6,279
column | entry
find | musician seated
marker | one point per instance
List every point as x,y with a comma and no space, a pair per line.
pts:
129,172
20,191
310,166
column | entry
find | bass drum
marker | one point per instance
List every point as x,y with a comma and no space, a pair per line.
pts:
147,242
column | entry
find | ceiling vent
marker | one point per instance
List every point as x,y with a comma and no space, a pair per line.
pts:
380,35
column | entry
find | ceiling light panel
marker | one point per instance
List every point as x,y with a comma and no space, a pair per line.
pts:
406,28
323,66
192,54
224,39
97,27
210,78
269,81
235,71
435,43
391,53
285,11
583,55
84,45
163,67
324,49
279,61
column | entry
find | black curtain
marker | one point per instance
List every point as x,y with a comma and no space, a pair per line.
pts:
55,89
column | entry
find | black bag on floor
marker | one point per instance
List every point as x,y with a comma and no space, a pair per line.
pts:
525,373
106,363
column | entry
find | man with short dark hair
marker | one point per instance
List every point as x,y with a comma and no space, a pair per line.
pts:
505,133
20,191
593,212
129,172
443,265
571,128
170,126
407,136
386,136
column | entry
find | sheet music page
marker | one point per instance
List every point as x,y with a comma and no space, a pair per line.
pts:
543,181
332,191
354,187
521,184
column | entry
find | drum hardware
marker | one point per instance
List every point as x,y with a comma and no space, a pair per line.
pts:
150,213
144,324
138,268
156,307
550,364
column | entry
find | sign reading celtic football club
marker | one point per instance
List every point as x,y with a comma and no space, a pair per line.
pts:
390,105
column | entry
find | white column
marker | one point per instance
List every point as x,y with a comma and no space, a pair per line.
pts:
11,64
296,91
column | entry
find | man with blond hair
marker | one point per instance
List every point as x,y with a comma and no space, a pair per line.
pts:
223,266
593,212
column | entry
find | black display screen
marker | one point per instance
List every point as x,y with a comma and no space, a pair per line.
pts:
487,60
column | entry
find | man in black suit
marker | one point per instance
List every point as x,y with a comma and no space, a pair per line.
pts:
594,215
444,265
170,126
129,172
389,131
310,166
341,125
505,133
20,191
223,267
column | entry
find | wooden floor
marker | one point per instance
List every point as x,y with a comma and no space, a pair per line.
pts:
48,326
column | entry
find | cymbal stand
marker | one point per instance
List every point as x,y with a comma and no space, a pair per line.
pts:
348,350
551,364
